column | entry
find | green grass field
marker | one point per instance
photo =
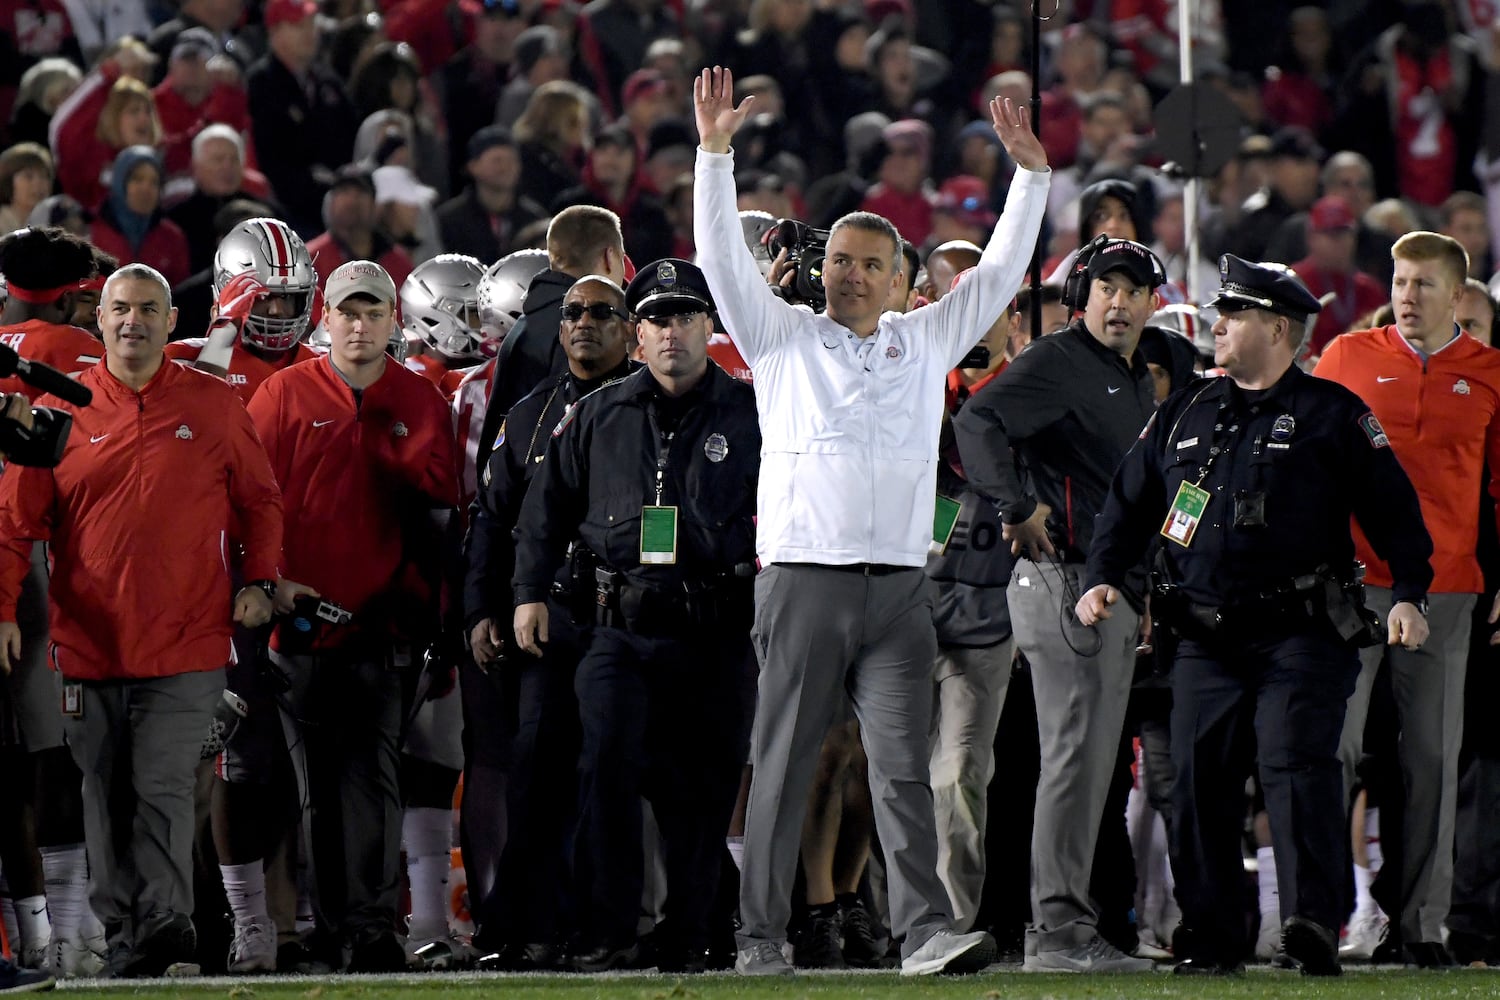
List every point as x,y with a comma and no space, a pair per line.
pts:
1358,984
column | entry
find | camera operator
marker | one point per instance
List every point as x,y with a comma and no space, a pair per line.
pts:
160,468
364,449
850,403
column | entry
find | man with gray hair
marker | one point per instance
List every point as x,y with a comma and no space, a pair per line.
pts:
142,604
851,402
218,176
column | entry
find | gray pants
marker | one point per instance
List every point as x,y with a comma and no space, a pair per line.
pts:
819,632
970,692
137,744
1428,685
1082,682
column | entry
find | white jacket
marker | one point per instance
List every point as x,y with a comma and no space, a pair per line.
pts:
849,445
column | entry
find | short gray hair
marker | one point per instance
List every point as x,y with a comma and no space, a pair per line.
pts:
219,130
137,272
870,222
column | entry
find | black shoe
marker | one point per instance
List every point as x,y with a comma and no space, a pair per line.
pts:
378,952
1208,967
1389,951
607,957
171,950
861,944
18,980
674,959
1470,949
817,944
536,957
1312,946
295,958
1429,955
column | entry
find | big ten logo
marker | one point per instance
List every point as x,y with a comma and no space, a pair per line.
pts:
981,536
12,340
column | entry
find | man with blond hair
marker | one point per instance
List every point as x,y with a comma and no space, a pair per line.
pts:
1436,392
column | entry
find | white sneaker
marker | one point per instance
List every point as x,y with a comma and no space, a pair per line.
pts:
1366,933
441,954
254,947
1268,941
75,959
950,953
36,957
1097,955
1151,951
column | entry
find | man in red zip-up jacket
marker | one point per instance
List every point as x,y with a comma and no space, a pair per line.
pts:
1436,392
363,449
138,513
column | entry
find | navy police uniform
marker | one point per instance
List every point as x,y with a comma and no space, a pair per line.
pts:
520,715
1259,582
659,685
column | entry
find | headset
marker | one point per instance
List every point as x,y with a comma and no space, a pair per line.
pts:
1076,288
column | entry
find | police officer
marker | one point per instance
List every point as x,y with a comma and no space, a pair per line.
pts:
1250,481
517,906
656,476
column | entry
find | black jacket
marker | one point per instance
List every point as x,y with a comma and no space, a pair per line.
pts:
296,130
531,351
601,469
1053,426
1309,446
466,226
489,549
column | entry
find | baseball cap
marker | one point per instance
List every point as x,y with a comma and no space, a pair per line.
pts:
966,199
198,42
642,83
1128,256
1329,213
359,277
400,185
488,138
288,12
908,133
1297,143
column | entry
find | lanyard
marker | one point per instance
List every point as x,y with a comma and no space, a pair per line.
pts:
663,452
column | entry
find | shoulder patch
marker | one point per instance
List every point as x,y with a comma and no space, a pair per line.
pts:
1371,426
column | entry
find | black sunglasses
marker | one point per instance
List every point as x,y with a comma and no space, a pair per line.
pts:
600,311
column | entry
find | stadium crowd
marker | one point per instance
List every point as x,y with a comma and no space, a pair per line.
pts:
574,487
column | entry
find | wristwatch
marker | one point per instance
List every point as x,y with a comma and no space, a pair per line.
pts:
267,587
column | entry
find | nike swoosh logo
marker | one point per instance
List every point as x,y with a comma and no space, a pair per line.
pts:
1113,389
321,423
38,911
96,439
1386,378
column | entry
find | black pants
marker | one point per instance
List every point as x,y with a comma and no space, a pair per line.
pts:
662,719
1278,702
522,717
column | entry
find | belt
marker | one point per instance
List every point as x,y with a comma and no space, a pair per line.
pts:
871,569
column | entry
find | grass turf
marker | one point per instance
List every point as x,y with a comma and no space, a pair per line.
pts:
1258,983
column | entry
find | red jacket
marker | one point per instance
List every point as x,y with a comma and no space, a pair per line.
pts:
66,348
83,159
181,121
138,515
247,372
1443,420
352,471
1356,294
165,248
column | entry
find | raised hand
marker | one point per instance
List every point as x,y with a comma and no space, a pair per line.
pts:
713,108
1012,123
238,297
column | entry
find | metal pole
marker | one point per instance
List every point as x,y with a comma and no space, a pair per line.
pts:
1036,128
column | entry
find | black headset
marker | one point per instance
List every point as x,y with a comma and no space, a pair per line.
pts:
1076,288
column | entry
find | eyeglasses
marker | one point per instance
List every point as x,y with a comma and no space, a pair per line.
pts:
600,311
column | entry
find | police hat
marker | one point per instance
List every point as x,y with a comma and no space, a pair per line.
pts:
1273,287
668,287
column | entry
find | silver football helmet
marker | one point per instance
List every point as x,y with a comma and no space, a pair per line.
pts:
281,262
502,291
440,306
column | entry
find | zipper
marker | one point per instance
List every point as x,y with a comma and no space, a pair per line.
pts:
1068,507
140,448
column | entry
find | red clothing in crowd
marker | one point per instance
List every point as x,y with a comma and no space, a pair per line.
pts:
1295,99
910,213
1356,294
247,372
66,348
181,121
353,467
138,517
724,354
446,379
84,159
165,248
1442,416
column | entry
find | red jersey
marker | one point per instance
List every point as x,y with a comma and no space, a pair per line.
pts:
1442,416
69,349
353,467
724,354
139,517
433,370
469,403
246,371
